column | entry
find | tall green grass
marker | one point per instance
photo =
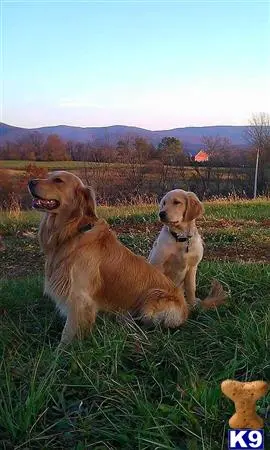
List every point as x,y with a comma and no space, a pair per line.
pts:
11,222
127,387
255,210
239,210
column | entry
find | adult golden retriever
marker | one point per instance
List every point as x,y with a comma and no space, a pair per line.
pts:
88,270
179,249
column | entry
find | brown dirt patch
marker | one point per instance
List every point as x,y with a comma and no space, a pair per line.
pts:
20,255
255,254
20,258
203,225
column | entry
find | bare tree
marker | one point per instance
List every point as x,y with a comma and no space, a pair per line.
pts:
258,137
216,146
258,132
205,174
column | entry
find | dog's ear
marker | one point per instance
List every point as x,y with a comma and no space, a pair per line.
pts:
88,202
194,208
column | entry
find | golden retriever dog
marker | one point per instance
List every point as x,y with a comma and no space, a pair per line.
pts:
179,249
88,270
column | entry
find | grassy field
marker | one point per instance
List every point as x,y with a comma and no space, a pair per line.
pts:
116,182
240,210
53,165
72,165
127,387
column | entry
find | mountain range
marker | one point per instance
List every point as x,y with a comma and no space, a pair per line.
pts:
190,136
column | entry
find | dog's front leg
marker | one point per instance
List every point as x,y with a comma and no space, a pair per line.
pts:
190,286
80,319
69,331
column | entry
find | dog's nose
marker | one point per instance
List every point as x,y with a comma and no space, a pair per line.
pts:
32,183
162,215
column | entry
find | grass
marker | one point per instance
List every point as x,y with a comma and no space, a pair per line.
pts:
73,165
256,210
55,165
12,222
231,234
241,209
122,388
127,387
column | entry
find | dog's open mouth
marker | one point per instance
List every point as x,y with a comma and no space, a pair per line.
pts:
170,222
42,203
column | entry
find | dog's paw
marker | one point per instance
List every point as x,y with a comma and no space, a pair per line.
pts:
194,304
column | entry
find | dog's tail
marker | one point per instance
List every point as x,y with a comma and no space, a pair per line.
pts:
157,306
217,296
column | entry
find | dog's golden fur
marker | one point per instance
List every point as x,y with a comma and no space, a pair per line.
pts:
179,249
91,271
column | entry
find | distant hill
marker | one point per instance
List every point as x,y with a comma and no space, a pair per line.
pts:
190,136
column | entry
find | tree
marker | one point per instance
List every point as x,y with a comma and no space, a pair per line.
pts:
55,149
31,146
171,150
36,141
258,137
71,149
10,150
123,149
209,173
217,148
142,150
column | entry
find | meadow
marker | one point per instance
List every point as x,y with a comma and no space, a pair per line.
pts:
54,165
14,164
120,182
126,386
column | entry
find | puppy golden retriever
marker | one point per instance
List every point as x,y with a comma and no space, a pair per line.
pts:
179,249
88,270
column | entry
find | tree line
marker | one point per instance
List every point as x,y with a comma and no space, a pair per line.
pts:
143,170
35,147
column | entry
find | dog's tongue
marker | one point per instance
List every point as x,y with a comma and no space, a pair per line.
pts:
44,204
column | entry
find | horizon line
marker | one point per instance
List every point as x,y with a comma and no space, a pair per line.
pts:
121,125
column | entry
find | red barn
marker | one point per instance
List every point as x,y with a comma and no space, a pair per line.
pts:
201,156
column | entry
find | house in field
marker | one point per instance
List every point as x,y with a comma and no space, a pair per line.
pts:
201,156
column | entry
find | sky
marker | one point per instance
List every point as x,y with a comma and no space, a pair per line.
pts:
152,64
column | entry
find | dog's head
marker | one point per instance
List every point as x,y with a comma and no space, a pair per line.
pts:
63,193
179,206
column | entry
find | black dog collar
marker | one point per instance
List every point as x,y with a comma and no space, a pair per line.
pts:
180,238
85,228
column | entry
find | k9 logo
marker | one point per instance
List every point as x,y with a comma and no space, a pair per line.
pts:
248,439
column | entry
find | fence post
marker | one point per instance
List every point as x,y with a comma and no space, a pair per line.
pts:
256,174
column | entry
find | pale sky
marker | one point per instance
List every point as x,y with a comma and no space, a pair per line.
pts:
151,64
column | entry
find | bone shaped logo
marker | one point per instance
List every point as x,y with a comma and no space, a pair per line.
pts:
244,395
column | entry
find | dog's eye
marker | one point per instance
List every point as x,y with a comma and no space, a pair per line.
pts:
176,202
58,180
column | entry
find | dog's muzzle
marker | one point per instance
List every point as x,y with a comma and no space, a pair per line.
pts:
39,202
